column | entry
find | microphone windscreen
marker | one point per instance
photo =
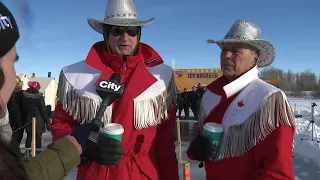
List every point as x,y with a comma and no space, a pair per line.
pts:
115,77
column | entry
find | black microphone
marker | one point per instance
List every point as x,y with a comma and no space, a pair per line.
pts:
109,91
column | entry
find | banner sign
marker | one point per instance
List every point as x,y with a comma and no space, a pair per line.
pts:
187,78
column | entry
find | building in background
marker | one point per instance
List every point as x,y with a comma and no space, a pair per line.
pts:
272,81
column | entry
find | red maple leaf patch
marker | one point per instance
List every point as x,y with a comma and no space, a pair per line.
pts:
240,103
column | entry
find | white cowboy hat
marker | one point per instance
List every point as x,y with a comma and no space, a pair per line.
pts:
119,13
246,32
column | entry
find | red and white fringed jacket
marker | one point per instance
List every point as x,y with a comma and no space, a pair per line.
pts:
258,128
146,110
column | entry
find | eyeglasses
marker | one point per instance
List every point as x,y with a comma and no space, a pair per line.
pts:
119,30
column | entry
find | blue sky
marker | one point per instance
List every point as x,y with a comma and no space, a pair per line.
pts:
59,34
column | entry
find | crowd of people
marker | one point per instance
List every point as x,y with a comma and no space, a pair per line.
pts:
23,105
255,119
190,99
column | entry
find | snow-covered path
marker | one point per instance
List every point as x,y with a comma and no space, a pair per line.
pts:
306,162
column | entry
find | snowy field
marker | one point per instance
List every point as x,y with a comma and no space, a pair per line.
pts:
306,160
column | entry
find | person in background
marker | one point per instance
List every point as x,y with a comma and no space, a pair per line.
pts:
49,110
61,156
15,114
256,117
179,103
200,89
194,98
204,90
185,102
33,106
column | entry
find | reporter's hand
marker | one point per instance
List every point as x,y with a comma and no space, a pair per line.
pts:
81,134
203,148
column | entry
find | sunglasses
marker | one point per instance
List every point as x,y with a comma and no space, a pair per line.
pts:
119,30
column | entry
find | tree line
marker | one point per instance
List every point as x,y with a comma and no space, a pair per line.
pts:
295,84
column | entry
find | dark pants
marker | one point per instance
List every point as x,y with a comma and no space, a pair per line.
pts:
38,140
194,109
180,110
186,110
17,136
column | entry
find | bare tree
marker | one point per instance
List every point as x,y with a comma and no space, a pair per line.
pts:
289,80
306,81
295,82
318,84
271,72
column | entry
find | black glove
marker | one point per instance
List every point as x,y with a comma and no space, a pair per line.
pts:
81,134
48,127
107,152
203,148
98,122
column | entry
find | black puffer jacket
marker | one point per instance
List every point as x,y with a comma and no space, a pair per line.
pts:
179,100
33,105
185,98
14,108
194,98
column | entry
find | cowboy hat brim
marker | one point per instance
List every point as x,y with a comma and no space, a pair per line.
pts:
266,49
97,24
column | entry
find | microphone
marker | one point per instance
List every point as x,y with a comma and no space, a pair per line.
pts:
109,91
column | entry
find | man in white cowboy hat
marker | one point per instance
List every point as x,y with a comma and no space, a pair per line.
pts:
146,109
256,118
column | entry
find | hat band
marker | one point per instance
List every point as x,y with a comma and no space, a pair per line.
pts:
121,15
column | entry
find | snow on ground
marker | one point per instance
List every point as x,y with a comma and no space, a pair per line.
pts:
306,160
303,107
304,143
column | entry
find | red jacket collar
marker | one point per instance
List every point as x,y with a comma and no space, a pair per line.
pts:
98,58
216,86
